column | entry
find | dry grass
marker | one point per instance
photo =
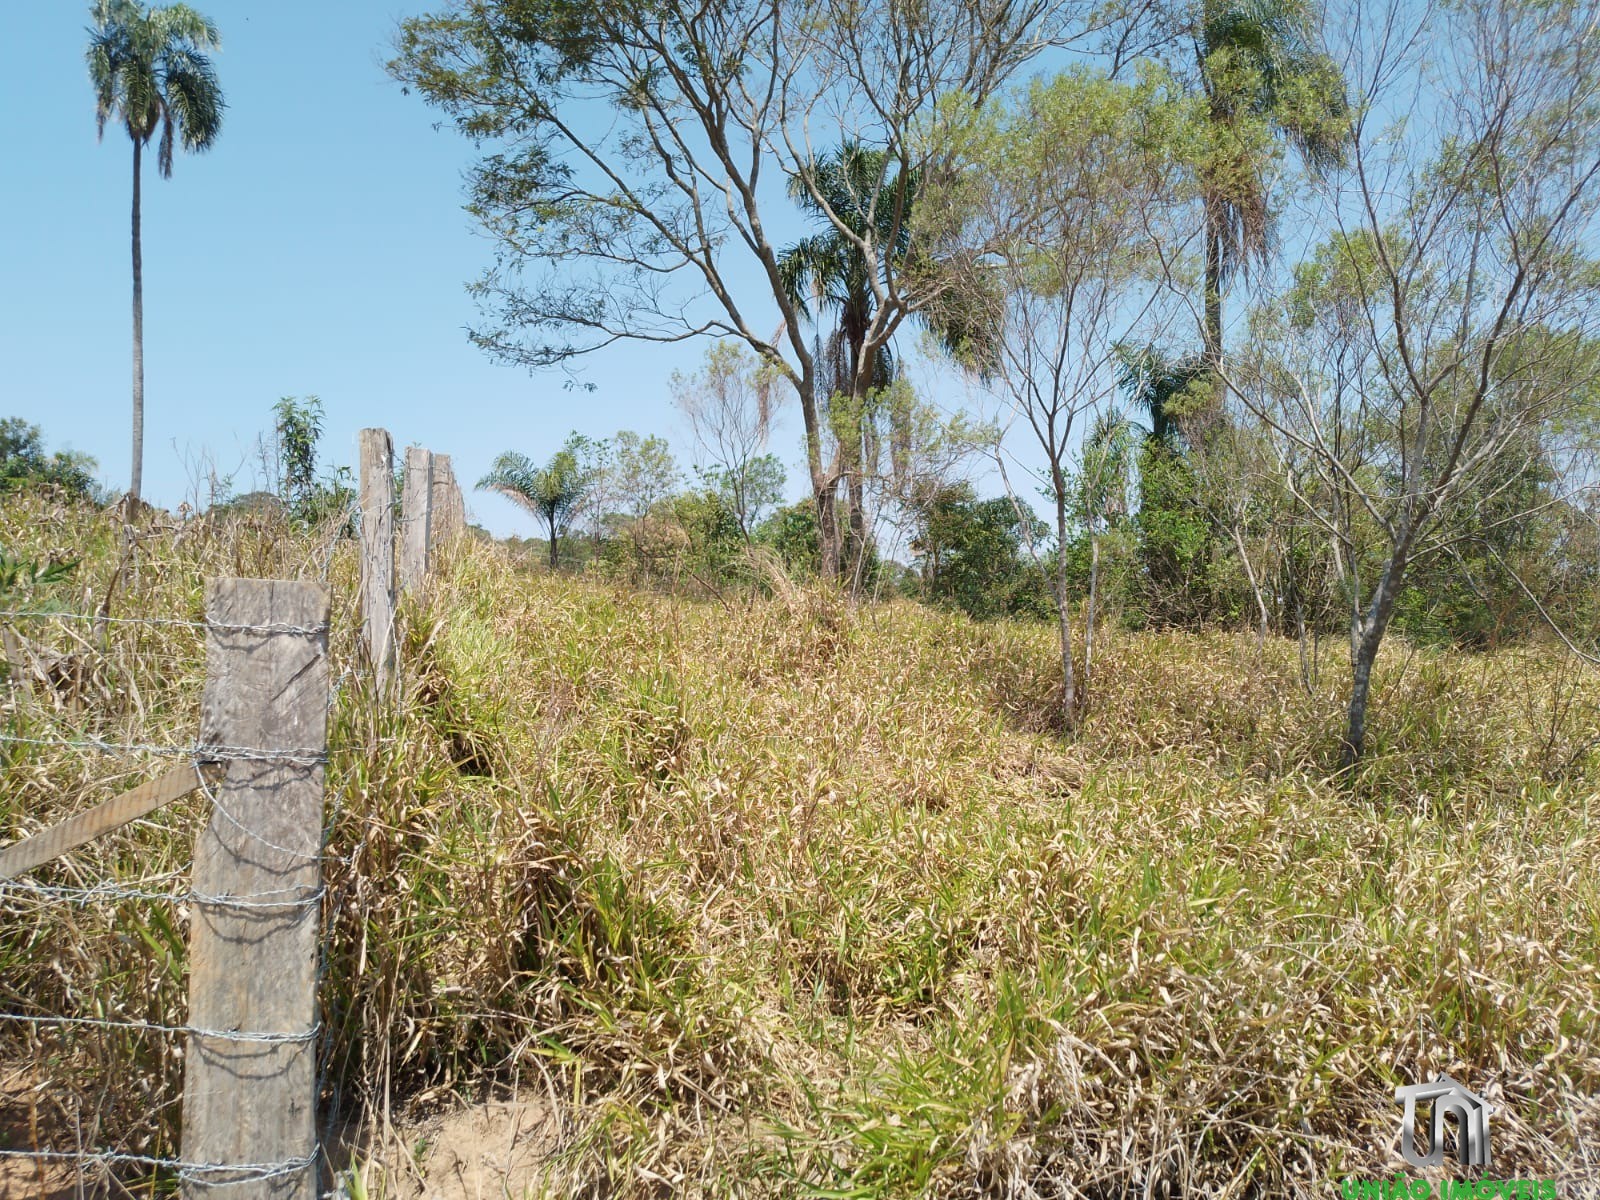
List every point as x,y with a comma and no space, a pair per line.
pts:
776,897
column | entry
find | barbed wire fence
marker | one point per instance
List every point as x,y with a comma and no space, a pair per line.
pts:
253,894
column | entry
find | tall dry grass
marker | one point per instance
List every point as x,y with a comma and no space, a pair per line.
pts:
780,897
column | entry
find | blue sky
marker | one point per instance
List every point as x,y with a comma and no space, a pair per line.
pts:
320,247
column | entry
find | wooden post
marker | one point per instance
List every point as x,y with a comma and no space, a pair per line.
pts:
450,518
416,520
377,553
250,1088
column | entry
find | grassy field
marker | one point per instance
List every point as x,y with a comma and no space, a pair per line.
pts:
777,896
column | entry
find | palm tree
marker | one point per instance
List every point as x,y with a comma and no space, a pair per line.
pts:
1171,391
1158,383
1264,84
863,190
829,270
552,492
149,72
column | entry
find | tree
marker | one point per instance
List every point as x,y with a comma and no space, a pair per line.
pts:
553,492
308,497
638,477
24,463
150,72
655,223
831,271
639,474
1265,86
298,428
1105,476
1174,542
1414,368
969,552
729,404
1083,190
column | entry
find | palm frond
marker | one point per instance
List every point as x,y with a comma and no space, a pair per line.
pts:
148,70
1152,379
1260,63
194,99
180,23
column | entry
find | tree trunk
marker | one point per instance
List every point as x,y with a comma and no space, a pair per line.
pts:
857,531
1366,652
822,489
552,545
828,548
1088,621
1213,314
1250,574
1069,689
854,448
136,480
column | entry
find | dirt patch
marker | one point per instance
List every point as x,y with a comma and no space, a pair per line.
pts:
492,1150
496,1150
24,1122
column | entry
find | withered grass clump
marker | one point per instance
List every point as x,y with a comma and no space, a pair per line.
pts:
770,896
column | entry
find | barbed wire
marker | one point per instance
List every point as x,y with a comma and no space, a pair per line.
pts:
202,752
112,891
188,1171
214,626
227,1035
167,888
205,788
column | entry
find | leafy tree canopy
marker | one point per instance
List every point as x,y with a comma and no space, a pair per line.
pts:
24,462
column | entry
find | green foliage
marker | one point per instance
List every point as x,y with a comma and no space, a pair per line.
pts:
299,427
150,72
970,552
1175,539
730,405
24,463
309,498
25,581
715,545
638,473
752,488
1266,86
1165,388
553,492
791,532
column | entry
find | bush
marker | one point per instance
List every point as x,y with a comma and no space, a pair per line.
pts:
24,463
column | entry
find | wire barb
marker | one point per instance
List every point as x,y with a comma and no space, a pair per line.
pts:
226,1035
189,1171
178,622
202,753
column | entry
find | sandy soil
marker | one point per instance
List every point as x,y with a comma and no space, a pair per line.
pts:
23,1121
490,1151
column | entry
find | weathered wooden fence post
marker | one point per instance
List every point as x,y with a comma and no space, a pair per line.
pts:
377,553
449,512
416,520
250,1088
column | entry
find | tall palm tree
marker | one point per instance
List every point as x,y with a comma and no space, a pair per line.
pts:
150,73
1260,75
864,190
829,271
552,492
